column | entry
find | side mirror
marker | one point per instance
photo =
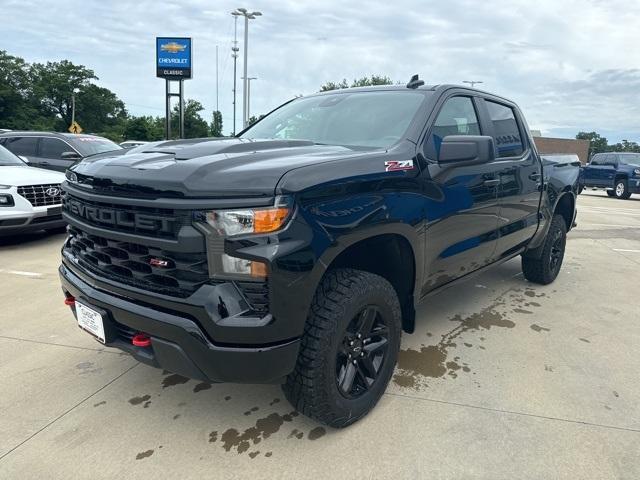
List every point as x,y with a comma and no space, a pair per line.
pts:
70,156
461,150
23,158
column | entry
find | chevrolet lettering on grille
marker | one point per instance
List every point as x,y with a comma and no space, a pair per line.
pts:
110,216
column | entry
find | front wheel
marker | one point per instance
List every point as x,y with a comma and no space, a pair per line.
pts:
611,193
622,189
349,348
543,267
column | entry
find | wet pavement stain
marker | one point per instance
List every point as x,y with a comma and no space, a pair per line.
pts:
468,345
431,361
522,310
268,454
584,340
254,454
176,416
174,379
263,429
146,404
316,433
201,386
254,409
213,436
616,394
139,400
100,403
296,433
227,398
144,454
275,400
538,328
530,293
548,368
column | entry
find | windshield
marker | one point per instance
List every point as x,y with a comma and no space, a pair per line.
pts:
357,119
93,145
631,159
7,158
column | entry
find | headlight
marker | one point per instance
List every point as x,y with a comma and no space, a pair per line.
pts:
255,220
6,200
4,187
636,172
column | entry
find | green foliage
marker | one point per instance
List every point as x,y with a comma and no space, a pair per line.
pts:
600,144
361,82
216,124
194,125
253,119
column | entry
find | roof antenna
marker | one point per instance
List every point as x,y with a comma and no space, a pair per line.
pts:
414,82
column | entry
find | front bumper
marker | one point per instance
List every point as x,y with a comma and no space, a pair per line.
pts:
178,343
634,185
23,218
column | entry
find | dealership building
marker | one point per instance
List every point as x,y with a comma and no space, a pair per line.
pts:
550,145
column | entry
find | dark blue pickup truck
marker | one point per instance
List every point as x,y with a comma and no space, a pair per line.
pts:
618,172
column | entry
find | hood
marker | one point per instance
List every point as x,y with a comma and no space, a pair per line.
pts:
215,168
23,175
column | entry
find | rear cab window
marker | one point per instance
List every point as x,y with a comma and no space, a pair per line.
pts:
506,130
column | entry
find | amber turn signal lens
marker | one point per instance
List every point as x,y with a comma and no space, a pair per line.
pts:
258,269
269,220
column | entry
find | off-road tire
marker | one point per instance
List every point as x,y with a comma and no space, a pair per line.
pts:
312,388
539,267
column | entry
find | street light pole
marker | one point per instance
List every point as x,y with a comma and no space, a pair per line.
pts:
73,105
247,16
249,97
472,82
234,54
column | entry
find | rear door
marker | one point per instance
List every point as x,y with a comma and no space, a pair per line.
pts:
461,208
520,174
51,150
24,147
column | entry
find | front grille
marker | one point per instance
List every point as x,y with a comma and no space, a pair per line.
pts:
129,263
41,195
156,222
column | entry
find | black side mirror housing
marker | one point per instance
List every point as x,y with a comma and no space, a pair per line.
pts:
70,156
461,150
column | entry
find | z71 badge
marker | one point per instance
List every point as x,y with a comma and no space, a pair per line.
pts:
396,165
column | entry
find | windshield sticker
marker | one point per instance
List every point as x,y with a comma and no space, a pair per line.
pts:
397,165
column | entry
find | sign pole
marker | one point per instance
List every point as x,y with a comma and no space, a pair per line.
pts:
167,115
181,110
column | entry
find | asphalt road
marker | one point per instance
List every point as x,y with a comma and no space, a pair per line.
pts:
503,379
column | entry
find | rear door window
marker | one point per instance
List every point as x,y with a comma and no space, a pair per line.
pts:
506,130
26,146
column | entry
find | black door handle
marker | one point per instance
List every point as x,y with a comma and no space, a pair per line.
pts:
535,176
492,182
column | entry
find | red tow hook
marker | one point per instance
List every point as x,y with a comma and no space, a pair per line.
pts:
70,301
141,340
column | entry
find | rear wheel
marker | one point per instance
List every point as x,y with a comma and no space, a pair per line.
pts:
349,348
543,266
622,189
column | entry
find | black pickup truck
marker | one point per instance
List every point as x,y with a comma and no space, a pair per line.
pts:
297,251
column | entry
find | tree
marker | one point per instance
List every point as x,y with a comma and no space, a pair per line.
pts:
625,146
598,144
216,124
253,119
194,125
18,111
361,82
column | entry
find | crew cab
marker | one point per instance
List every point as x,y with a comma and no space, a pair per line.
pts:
297,251
617,172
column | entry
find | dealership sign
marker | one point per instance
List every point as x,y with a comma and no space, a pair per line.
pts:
173,57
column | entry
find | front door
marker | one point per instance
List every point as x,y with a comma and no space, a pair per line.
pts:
461,202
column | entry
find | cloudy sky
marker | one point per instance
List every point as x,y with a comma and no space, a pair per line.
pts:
571,65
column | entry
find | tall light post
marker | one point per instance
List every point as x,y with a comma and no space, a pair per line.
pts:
73,105
247,16
234,54
472,82
249,98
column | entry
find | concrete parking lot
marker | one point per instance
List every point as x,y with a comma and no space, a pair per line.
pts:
502,379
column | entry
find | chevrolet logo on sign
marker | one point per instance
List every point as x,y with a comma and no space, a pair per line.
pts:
172,47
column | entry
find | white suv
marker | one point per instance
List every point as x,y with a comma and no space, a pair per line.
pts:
30,198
